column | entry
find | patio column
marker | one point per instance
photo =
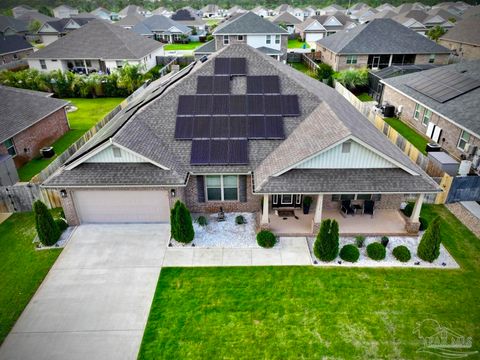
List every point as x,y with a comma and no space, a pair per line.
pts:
317,219
416,209
265,209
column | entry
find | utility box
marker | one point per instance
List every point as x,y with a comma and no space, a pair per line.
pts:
8,171
445,162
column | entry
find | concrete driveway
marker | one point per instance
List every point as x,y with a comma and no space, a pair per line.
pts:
94,303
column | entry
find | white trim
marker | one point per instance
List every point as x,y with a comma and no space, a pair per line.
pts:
140,156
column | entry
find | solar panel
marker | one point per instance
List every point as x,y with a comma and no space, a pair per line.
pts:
238,66
273,105
203,105
201,127
184,128
256,127
254,84
238,152
238,126
271,84
186,105
222,66
216,152
255,105
238,104
221,85
274,127
205,84
290,105
219,152
220,127
200,153
221,105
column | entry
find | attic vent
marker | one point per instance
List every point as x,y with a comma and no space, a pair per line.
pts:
117,152
346,147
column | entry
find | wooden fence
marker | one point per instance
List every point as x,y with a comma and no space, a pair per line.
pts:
307,60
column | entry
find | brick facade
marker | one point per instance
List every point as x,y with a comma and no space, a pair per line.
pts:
464,51
14,56
43,133
233,39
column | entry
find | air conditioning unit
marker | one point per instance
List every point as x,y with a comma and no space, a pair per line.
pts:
399,109
472,151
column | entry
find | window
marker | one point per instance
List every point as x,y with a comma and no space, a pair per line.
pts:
43,65
346,147
78,63
88,62
277,39
268,39
10,146
364,196
240,37
351,59
427,114
222,187
416,113
342,197
431,59
226,40
463,141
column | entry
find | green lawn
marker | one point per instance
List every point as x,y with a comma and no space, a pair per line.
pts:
417,140
192,45
22,268
211,22
90,112
364,97
300,66
314,313
297,44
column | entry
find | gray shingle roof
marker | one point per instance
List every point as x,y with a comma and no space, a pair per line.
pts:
21,109
381,36
131,19
99,40
207,48
159,23
285,18
35,15
13,43
12,23
466,31
248,23
463,109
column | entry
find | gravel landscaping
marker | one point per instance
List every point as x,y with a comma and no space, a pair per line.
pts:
445,260
61,243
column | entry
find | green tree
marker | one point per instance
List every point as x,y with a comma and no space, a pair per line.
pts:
435,33
45,10
324,72
47,230
429,247
181,223
34,26
326,244
130,77
353,78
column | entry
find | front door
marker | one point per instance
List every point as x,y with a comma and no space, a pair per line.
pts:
376,62
287,200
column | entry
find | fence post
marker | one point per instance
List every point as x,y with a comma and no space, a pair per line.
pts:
445,184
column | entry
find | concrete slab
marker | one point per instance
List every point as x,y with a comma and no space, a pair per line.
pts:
208,257
178,257
237,257
263,257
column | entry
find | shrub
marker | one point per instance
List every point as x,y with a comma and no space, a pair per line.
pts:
61,224
429,247
402,253
408,209
239,220
359,241
266,239
181,223
62,214
47,230
353,78
384,241
326,245
349,253
376,251
324,71
202,221
423,223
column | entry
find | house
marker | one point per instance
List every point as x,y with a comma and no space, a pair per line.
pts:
411,24
464,39
12,26
30,121
188,17
246,133
331,9
162,28
287,21
212,11
441,103
363,15
130,20
53,30
261,11
64,11
320,26
19,10
297,12
379,44
31,16
13,48
406,7
235,10
385,6
249,29
309,11
133,9
97,46
384,14
162,11
102,13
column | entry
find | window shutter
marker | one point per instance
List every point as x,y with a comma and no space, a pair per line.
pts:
242,188
201,189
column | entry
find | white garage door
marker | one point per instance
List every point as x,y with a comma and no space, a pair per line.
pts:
122,206
312,37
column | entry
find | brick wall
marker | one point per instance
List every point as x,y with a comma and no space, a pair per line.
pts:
465,51
440,59
6,58
44,133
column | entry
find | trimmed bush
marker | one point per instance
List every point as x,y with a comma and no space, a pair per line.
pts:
408,209
266,239
423,223
202,221
61,224
402,253
239,220
326,245
359,241
385,241
376,251
181,223
349,253
47,229
429,247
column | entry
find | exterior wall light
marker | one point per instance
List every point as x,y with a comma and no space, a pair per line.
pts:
63,193
172,193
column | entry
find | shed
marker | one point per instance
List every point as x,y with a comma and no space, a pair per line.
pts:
445,162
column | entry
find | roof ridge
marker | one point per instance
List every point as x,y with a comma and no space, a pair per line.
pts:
125,43
231,22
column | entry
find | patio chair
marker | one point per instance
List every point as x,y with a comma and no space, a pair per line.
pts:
347,208
369,207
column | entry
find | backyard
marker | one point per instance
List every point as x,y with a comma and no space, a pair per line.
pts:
300,66
297,44
22,267
192,45
408,133
307,312
90,112
364,97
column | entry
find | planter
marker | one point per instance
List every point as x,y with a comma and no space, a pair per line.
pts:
306,209
307,202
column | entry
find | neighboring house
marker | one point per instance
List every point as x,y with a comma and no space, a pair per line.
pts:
362,16
309,11
235,10
464,38
252,30
384,14
320,26
261,11
54,30
133,9
331,9
411,24
379,44
13,48
188,17
212,11
297,12
97,46
277,135
286,20
385,6
406,7
31,16
12,26
102,13
30,120
19,10
162,11
162,28
130,20
64,11
443,104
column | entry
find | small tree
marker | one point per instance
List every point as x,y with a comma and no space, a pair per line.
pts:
326,245
429,247
353,78
34,26
324,71
47,230
435,33
181,223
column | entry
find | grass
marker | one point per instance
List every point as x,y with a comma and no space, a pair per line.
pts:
408,133
300,66
22,267
90,112
364,97
212,22
192,45
313,313
297,44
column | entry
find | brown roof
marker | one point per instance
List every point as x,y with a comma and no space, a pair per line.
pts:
465,31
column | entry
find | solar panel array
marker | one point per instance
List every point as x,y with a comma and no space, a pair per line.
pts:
230,66
219,152
443,85
263,85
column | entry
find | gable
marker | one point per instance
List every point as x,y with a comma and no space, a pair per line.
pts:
315,26
72,25
359,157
332,21
46,28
